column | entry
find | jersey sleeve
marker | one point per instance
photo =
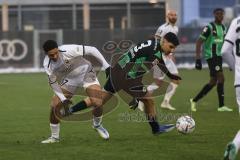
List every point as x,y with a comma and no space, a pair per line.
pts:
227,54
205,33
160,31
72,50
93,51
232,32
229,42
177,30
52,79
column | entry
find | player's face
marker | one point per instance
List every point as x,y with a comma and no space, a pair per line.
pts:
53,54
168,47
172,17
219,15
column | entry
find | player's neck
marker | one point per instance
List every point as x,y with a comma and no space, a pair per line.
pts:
218,22
172,24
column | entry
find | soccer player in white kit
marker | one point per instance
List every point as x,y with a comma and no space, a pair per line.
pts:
231,55
67,70
169,26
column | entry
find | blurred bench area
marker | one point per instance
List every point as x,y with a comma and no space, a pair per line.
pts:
111,26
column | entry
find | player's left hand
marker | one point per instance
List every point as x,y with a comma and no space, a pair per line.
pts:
198,64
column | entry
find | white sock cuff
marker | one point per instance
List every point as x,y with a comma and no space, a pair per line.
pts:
170,91
97,120
54,125
174,85
55,129
152,87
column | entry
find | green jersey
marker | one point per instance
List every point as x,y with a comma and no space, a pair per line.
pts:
141,58
213,36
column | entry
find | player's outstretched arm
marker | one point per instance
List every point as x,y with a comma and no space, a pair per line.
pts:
169,74
227,55
93,51
56,88
198,63
230,38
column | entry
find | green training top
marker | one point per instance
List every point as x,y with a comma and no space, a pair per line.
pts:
213,36
141,58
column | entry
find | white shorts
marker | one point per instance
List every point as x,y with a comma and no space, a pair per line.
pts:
86,77
73,89
171,66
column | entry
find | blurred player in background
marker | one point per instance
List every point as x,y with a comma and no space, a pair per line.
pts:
212,37
128,73
231,55
169,26
67,70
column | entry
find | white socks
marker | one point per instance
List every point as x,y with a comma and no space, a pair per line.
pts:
170,91
238,98
236,140
152,87
97,121
55,129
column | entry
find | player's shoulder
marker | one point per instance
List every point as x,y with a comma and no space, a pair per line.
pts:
207,28
69,48
164,25
236,21
66,47
235,25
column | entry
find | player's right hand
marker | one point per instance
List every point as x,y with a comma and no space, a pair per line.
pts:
198,64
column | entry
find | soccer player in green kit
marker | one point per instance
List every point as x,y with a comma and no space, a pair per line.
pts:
128,72
212,37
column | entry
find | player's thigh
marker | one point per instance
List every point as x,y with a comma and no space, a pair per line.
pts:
93,89
135,87
94,93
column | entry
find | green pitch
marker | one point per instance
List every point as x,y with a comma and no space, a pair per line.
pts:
24,111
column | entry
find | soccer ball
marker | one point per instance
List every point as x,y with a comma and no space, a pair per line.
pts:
185,124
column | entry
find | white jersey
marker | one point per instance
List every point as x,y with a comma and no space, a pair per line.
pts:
161,31
165,28
71,67
231,49
70,64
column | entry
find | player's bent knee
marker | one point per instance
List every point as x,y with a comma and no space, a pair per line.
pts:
55,102
96,102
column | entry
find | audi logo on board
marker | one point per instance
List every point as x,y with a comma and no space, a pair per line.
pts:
15,49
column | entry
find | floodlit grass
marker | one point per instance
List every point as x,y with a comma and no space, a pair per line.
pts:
24,111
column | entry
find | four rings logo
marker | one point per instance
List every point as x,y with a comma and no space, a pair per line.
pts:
15,49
